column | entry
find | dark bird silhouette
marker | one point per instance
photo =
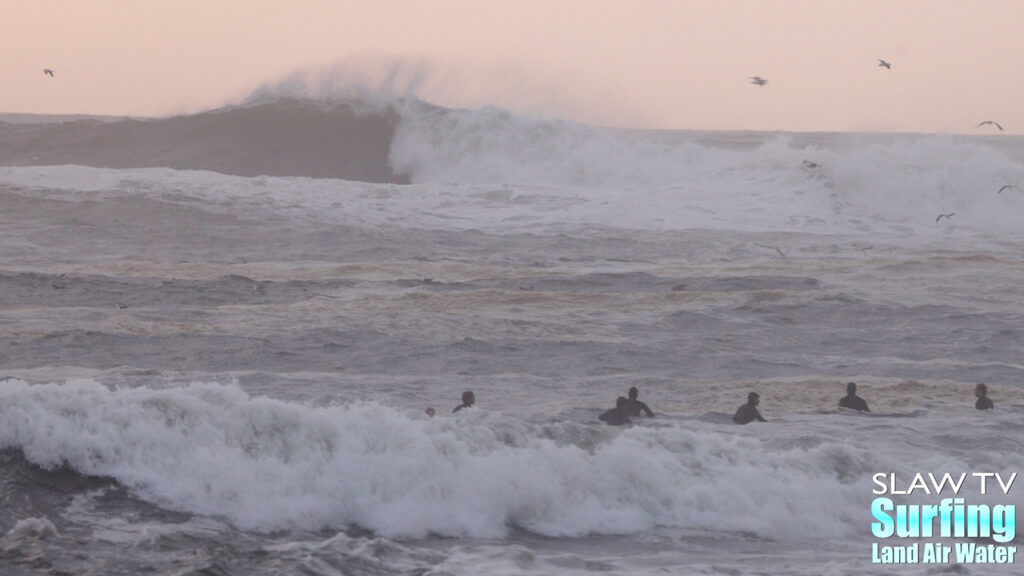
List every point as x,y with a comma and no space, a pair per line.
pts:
886,65
48,72
758,80
941,216
992,122
1007,187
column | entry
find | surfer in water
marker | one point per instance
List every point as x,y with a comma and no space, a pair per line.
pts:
852,401
984,402
635,407
617,416
467,401
748,412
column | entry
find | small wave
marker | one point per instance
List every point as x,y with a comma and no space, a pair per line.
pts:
36,528
22,543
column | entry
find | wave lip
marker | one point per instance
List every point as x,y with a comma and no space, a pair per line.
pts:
342,140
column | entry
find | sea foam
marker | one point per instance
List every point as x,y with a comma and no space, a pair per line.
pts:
264,464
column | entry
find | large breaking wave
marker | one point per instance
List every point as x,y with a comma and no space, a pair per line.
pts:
398,139
856,182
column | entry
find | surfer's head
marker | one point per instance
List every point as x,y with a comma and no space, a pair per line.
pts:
851,387
467,398
753,398
633,393
980,390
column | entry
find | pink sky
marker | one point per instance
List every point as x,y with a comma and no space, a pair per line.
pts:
680,64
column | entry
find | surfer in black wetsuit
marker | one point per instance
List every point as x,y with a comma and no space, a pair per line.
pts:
852,401
633,406
467,401
984,402
748,412
617,416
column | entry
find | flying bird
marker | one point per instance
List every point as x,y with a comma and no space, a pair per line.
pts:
941,216
758,80
992,122
48,72
887,65
1007,187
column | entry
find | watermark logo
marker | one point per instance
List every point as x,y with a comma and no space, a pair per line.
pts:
915,533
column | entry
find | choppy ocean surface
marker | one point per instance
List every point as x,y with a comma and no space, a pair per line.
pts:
219,333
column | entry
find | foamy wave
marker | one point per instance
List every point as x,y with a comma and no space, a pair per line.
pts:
32,528
852,182
265,464
493,145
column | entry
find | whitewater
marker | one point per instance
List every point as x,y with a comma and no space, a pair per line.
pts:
219,333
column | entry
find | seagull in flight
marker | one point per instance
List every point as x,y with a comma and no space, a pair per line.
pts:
48,72
947,216
883,63
758,80
1007,187
992,122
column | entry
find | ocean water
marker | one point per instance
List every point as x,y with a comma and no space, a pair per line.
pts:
219,333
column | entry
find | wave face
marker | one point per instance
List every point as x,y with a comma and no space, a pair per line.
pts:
276,138
265,465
